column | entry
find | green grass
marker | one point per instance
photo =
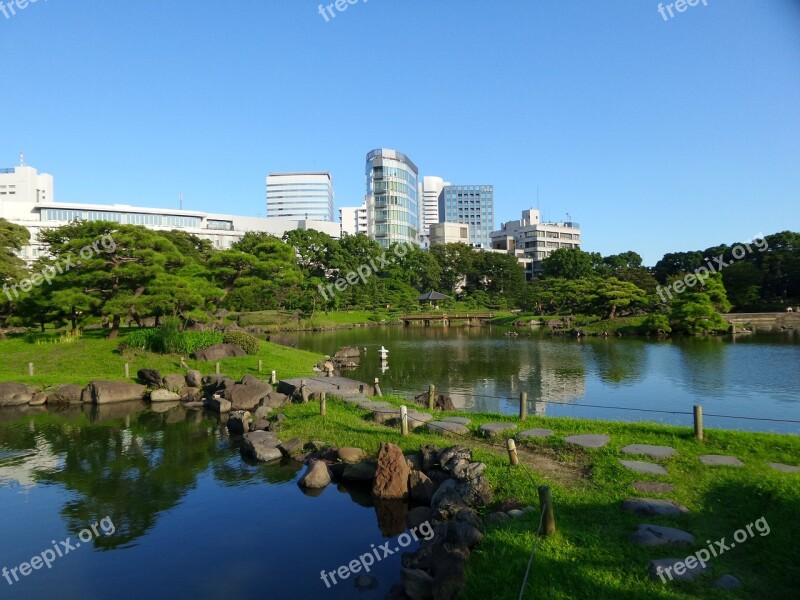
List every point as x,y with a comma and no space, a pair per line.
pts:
94,357
589,557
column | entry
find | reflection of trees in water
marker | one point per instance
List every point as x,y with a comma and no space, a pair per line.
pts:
703,361
618,361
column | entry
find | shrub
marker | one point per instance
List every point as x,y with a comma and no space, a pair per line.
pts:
249,343
169,339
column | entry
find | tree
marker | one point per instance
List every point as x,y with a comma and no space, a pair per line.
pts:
697,310
455,263
675,263
12,268
569,263
612,295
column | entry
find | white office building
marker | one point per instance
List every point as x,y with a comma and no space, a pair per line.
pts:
535,240
353,220
302,195
26,198
430,188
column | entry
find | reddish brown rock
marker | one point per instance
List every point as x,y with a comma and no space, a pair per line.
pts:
391,478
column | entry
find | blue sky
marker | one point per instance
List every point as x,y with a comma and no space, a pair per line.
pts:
654,135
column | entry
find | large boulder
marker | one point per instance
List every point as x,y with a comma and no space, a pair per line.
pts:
151,377
317,476
391,478
65,394
15,394
247,396
161,395
174,382
218,352
194,378
106,392
261,445
239,422
440,401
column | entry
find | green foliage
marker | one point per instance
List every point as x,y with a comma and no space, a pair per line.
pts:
249,343
568,263
656,323
170,339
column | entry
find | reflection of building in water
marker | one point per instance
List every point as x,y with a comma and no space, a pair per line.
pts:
20,468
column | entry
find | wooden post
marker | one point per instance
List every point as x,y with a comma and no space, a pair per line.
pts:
127,371
523,405
273,378
378,391
303,392
512,452
698,422
260,365
217,368
431,396
404,420
546,505
322,404
30,369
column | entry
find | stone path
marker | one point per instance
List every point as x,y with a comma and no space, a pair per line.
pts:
656,535
654,452
644,467
716,460
591,440
653,507
448,428
535,433
662,568
493,429
653,487
461,420
784,468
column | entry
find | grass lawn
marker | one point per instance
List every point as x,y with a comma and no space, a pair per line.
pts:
94,357
590,557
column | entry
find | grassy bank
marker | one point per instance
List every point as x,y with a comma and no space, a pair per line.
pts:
591,325
590,557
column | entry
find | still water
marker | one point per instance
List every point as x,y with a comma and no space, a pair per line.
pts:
191,517
484,370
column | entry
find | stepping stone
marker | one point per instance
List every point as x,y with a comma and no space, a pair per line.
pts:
653,507
784,468
534,433
591,440
716,460
354,399
653,487
675,569
492,429
644,467
381,415
415,419
462,420
446,428
370,405
727,582
654,452
656,535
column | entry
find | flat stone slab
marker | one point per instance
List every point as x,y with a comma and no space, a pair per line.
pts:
373,405
727,582
644,467
653,487
784,468
675,569
415,419
656,535
590,440
332,386
462,420
535,433
447,428
492,429
653,507
716,460
654,452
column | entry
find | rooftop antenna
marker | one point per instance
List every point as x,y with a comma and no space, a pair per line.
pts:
21,159
569,218
180,200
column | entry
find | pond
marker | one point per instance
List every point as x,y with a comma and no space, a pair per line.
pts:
483,369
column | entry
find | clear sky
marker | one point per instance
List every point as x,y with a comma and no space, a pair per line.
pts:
654,135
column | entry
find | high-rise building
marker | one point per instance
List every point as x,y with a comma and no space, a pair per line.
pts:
392,197
472,205
353,219
448,233
535,239
300,196
430,189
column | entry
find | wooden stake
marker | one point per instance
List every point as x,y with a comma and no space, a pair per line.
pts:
30,369
512,452
404,421
698,422
217,368
378,391
523,405
127,371
431,396
273,378
322,404
260,365
303,392
546,505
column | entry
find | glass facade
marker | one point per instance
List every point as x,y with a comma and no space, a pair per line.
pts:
300,196
392,197
473,205
123,218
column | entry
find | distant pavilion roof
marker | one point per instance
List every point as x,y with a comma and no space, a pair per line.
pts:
431,296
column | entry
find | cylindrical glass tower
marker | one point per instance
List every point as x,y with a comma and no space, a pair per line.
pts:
392,201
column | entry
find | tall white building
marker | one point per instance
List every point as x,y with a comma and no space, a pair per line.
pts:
353,219
429,190
301,195
26,198
535,239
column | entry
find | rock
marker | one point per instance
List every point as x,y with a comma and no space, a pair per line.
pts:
654,452
259,425
194,378
219,405
420,487
418,515
348,352
653,487
591,440
262,412
494,429
247,396
469,471
450,580
447,428
643,467
363,471
462,534
65,394
162,395
515,513
239,422
174,382
391,478
274,400
430,456
727,582
261,445
190,394
213,384
664,569
15,394
151,377
366,582
497,517
218,352
414,461
716,460
784,468
534,433
444,488
315,445
106,392
374,405
248,379
417,583
440,401
457,452
508,504
292,447
382,415
351,455
38,399
316,476
653,507
415,419
459,420
656,535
